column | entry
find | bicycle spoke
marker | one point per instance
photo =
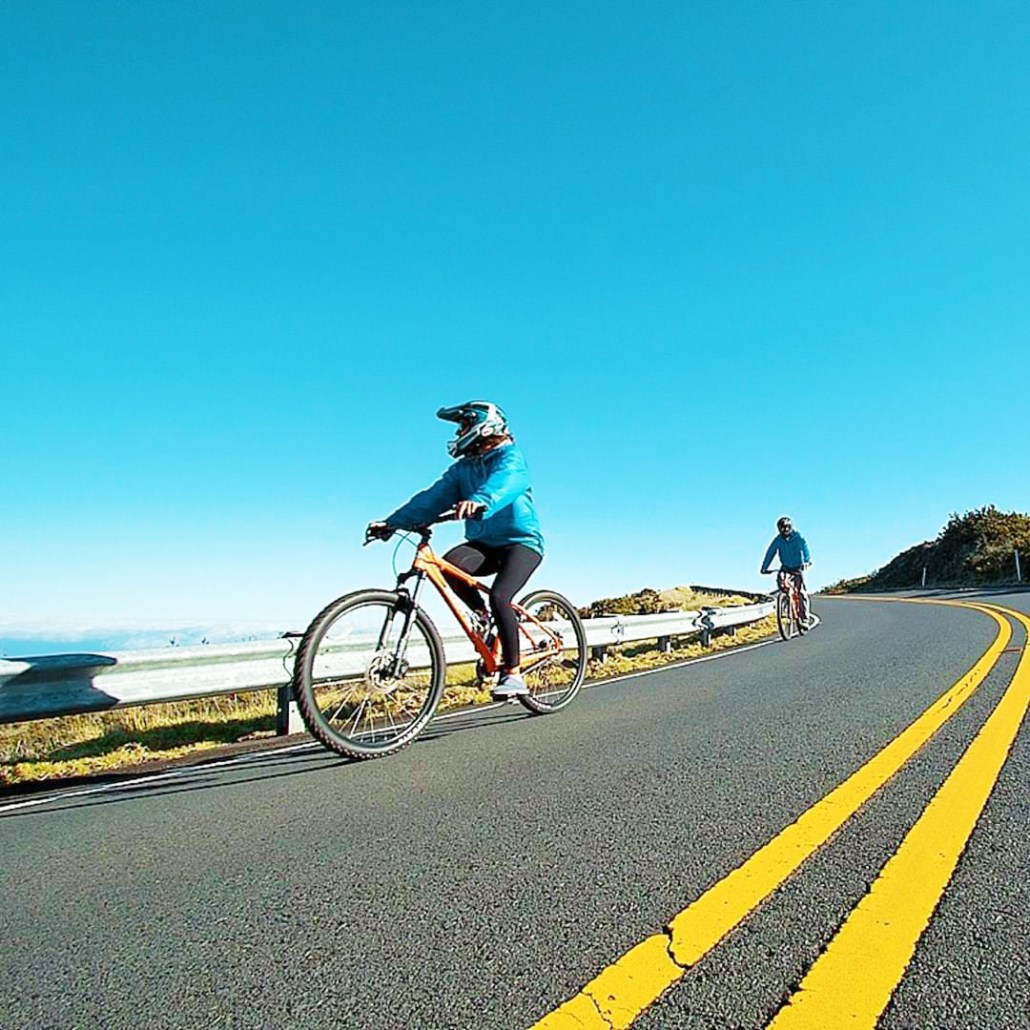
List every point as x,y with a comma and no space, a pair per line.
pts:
357,715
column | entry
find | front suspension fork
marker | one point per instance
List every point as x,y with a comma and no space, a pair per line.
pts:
409,606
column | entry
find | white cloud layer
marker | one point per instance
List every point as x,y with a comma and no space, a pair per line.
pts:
143,635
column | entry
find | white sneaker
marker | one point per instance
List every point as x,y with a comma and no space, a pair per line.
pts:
510,685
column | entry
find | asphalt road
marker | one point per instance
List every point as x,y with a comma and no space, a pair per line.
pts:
483,876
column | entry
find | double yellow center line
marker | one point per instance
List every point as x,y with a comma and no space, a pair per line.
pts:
882,931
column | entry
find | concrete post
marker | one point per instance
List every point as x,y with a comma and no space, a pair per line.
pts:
1019,571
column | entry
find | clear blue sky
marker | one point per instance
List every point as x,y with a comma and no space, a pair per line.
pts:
718,261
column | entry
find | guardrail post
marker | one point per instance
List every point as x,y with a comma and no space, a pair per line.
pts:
1019,571
598,652
706,637
287,718
665,644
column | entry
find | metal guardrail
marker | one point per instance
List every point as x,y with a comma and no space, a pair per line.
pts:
73,684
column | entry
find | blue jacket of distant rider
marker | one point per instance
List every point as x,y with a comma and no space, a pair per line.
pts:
793,551
498,479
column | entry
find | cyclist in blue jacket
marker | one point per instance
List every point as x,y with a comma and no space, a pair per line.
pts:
792,548
488,486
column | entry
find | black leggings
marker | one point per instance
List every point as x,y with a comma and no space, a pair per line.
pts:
513,565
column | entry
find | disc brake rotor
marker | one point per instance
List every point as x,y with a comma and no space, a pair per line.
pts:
383,675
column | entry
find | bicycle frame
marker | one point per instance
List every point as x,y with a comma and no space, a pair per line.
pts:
787,581
428,565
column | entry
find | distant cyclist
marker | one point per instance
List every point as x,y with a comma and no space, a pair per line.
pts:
792,548
488,486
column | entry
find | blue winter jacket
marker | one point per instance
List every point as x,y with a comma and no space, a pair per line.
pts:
498,479
793,551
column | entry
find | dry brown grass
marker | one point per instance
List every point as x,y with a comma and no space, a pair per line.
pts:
77,745
687,599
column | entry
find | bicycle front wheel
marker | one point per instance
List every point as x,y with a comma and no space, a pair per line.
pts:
554,651
784,615
368,675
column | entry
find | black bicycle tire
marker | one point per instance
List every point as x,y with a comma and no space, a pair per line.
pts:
530,702
783,615
302,686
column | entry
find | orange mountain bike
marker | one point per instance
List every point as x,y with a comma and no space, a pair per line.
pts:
371,669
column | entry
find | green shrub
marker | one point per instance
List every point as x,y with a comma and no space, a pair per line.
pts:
971,550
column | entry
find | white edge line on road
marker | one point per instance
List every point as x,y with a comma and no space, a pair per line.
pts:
172,774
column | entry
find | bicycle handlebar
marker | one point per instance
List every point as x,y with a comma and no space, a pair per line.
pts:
450,515
425,531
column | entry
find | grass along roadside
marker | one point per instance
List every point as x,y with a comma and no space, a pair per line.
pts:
83,745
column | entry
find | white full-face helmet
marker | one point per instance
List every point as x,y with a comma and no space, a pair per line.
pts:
477,421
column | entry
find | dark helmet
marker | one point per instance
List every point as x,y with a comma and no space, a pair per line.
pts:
784,525
477,420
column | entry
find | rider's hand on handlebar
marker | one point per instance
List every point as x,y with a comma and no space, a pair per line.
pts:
378,531
468,509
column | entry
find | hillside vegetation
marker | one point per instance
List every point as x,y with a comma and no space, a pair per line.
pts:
650,602
971,550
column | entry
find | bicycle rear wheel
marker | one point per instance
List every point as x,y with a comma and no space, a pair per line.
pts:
784,615
363,686
554,651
